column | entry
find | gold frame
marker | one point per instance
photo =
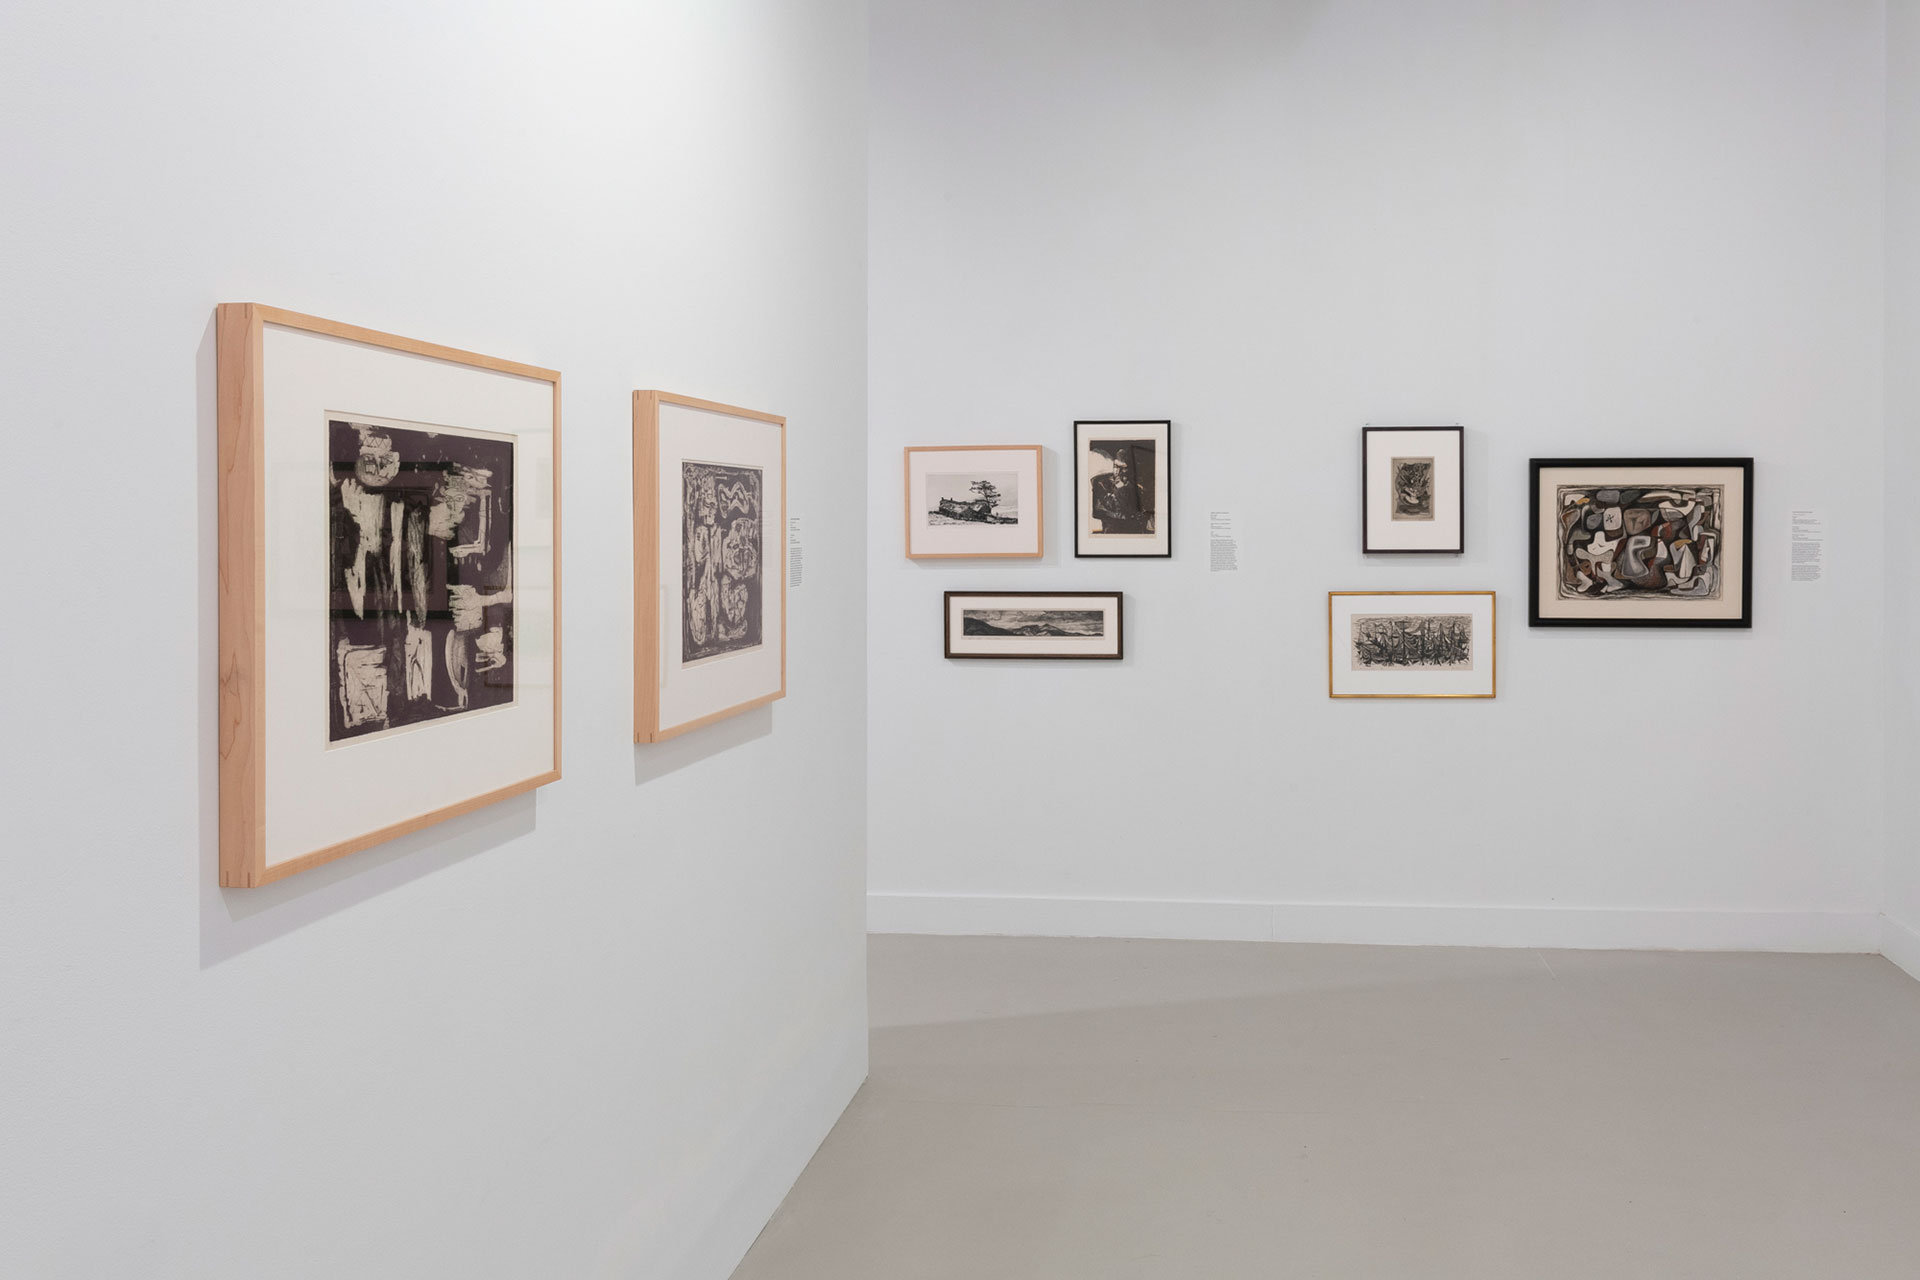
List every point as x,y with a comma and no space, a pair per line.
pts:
1493,646
647,571
1039,500
239,329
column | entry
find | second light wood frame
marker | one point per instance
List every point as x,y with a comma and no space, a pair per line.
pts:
658,712
1032,508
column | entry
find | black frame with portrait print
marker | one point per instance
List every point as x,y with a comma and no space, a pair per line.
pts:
1165,465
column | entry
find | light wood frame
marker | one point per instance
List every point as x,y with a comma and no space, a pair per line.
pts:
646,564
241,410
1039,500
1493,643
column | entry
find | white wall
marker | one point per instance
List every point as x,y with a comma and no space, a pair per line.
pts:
1578,228
591,1032
1902,940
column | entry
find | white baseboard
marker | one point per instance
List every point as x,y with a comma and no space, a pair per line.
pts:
1382,925
1899,943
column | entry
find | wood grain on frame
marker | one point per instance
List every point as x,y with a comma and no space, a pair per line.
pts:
1039,501
240,329
647,655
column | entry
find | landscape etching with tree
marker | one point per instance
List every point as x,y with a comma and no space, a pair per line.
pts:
1122,481
420,575
1416,641
1073,623
973,497
1624,543
720,564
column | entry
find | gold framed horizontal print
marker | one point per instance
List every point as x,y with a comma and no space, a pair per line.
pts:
389,586
1411,644
709,557
966,500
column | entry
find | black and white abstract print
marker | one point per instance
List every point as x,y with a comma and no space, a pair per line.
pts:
1413,488
721,572
973,497
1078,624
1412,642
420,574
1636,543
1123,474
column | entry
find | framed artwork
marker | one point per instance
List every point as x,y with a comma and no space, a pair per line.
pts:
1410,644
709,555
389,586
1413,490
1122,487
1034,624
1641,542
974,500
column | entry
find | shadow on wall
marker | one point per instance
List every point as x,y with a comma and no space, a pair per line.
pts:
233,921
657,759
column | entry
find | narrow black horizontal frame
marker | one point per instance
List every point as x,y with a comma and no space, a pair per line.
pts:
1119,625
1166,466
1743,622
1366,523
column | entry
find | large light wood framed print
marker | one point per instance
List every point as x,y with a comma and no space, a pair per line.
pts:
1123,487
1413,490
968,500
1035,624
1641,542
709,542
1411,644
389,586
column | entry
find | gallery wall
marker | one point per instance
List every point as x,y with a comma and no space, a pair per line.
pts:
591,1031
1902,930
1578,229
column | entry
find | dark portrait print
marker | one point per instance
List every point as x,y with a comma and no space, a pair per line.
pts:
1123,495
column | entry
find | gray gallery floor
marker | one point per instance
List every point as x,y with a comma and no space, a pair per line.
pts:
1113,1110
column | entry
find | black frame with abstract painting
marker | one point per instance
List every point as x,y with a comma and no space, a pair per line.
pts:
1641,542
1413,490
1085,625
1123,487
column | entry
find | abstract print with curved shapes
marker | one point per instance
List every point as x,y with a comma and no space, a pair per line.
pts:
420,575
1635,543
720,564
